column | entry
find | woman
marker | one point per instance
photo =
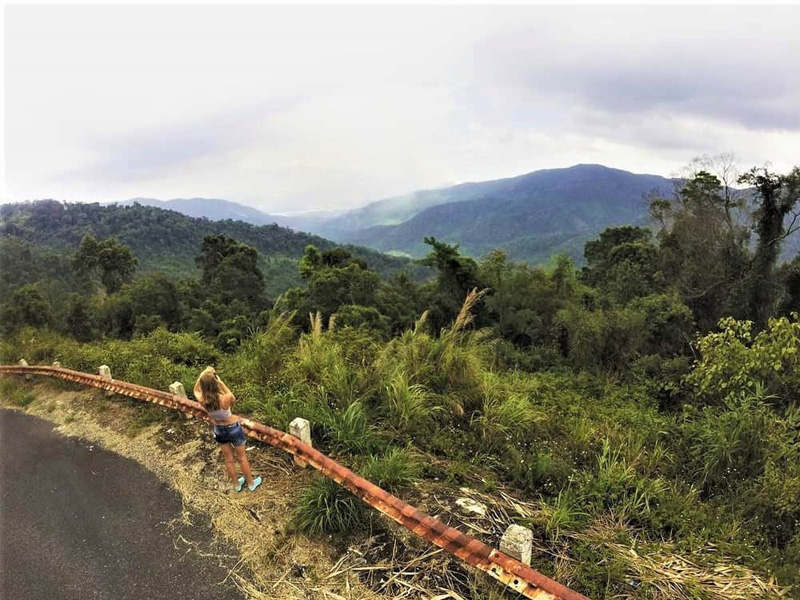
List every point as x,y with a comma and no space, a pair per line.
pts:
216,398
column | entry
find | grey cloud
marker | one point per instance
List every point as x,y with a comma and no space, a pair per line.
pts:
730,74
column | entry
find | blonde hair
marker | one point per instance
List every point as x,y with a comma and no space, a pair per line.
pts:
210,389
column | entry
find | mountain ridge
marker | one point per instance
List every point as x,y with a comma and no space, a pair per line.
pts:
530,216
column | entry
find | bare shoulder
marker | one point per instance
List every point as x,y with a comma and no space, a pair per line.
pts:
226,400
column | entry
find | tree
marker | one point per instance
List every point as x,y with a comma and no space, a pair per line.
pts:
777,196
523,302
457,276
313,260
156,296
230,271
28,306
117,264
703,249
114,262
78,321
623,263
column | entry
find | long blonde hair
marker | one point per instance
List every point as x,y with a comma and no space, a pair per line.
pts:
209,389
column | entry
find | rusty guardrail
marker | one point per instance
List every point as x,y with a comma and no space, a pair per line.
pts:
509,571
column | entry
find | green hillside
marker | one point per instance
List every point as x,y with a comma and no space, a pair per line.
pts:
531,217
168,241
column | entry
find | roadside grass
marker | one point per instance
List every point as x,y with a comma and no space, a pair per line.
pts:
16,393
581,447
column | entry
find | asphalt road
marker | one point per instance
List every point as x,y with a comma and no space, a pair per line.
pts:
78,522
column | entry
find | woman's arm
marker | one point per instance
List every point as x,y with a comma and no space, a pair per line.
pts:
226,389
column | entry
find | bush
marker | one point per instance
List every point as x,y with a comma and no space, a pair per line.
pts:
393,471
410,407
18,395
505,417
726,447
733,362
350,429
325,507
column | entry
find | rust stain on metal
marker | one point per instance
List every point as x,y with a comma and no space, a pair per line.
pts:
509,571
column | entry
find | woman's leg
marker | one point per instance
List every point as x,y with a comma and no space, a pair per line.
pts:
241,454
230,462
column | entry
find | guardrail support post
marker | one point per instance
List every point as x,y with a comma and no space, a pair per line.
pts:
517,542
105,373
177,389
24,363
301,428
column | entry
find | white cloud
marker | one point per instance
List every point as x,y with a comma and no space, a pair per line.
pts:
291,108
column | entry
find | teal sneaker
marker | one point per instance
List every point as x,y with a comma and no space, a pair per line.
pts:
239,487
256,483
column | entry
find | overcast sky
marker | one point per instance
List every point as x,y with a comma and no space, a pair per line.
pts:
298,108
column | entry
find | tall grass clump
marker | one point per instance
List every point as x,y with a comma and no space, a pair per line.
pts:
325,507
333,365
727,447
410,406
394,471
16,394
504,416
449,366
350,429
261,358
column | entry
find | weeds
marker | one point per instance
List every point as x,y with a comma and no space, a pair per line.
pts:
393,471
18,395
410,407
325,507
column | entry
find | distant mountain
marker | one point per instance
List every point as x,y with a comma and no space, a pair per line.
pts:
168,241
216,209
532,216
395,210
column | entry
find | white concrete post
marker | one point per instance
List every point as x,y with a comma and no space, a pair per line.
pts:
22,362
301,428
56,364
517,542
105,373
177,389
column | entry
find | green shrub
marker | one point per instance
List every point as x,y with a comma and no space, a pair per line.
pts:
325,507
560,515
393,471
733,362
16,393
616,485
505,417
410,407
725,447
351,430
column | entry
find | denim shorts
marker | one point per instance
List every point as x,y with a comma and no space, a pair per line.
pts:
230,434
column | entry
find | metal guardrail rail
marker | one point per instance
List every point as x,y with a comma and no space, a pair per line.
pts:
509,571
